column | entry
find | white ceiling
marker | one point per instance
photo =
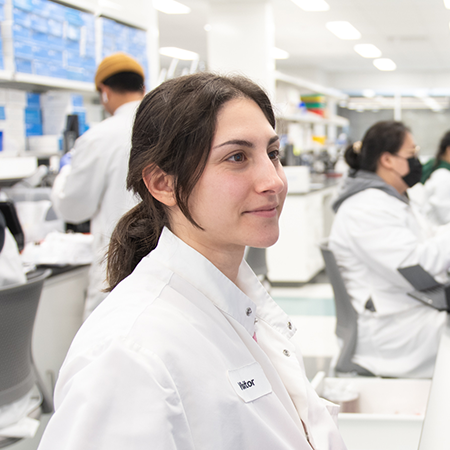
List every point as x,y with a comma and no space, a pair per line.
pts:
415,34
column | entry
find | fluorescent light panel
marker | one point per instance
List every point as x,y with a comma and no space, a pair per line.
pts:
280,54
367,50
178,53
343,30
171,7
312,5
384,64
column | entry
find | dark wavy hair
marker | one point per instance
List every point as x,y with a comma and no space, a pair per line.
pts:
173,129
386,136
443,144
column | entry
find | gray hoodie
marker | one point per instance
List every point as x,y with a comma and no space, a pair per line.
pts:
361,180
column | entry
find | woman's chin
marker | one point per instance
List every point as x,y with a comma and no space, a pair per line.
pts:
264,241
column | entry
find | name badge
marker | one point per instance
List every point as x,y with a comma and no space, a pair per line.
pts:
249,382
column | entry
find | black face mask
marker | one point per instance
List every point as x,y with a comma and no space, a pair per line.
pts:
415,172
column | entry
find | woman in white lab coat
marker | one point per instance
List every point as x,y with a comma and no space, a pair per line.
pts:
189,351
376,231
436,178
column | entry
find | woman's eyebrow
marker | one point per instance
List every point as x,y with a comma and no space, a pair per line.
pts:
244,143
240,142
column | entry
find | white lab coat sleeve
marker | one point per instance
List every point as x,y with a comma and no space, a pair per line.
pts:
383,241
78,191
123,398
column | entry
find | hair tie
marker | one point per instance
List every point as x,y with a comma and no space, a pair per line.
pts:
357,147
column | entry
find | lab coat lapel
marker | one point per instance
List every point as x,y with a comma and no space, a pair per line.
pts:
282,353
274,331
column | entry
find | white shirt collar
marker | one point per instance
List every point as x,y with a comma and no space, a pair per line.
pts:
244,303
127,107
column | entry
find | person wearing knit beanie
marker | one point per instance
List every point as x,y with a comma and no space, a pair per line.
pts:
92,186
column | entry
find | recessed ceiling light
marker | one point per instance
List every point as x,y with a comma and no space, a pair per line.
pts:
421,93
178,53
447,4
171,7
367,50
343,30
368,93
385,64
207,27
280,54
312,5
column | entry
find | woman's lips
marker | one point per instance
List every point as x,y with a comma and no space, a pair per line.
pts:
270,211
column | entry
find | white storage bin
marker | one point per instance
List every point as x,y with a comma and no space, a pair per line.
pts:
391,411
298,178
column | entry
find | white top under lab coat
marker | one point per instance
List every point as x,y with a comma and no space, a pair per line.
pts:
437,197
168,361
373,234
93,187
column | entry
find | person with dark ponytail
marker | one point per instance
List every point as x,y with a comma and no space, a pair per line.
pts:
376,231
188,351
436,178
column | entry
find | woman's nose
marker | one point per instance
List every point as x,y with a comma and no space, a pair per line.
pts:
270,177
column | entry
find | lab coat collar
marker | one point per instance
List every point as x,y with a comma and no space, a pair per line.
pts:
244,303
127,108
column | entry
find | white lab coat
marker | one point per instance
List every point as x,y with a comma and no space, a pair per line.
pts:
162,363
93,187
437,197
373,234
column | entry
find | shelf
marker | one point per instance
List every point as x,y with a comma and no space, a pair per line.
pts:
6,75
29,81
40,155
314,118
311,86
53,82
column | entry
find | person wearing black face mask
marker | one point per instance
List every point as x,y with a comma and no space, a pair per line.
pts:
415,171
376,231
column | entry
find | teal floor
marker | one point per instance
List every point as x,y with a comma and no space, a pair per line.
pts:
302,306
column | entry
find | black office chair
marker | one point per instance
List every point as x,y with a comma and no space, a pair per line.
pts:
18,374
346,318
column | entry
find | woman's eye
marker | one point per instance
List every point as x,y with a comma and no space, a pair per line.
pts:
237,157
274,154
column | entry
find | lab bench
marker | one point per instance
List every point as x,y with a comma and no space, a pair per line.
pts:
58,318
395,413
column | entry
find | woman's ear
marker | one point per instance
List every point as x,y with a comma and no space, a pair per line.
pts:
386,160
160,185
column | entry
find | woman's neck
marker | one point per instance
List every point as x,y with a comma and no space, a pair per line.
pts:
392,179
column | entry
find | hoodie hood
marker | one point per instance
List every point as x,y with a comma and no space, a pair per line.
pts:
361,180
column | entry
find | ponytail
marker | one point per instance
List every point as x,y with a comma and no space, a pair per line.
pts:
135,236
352,155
